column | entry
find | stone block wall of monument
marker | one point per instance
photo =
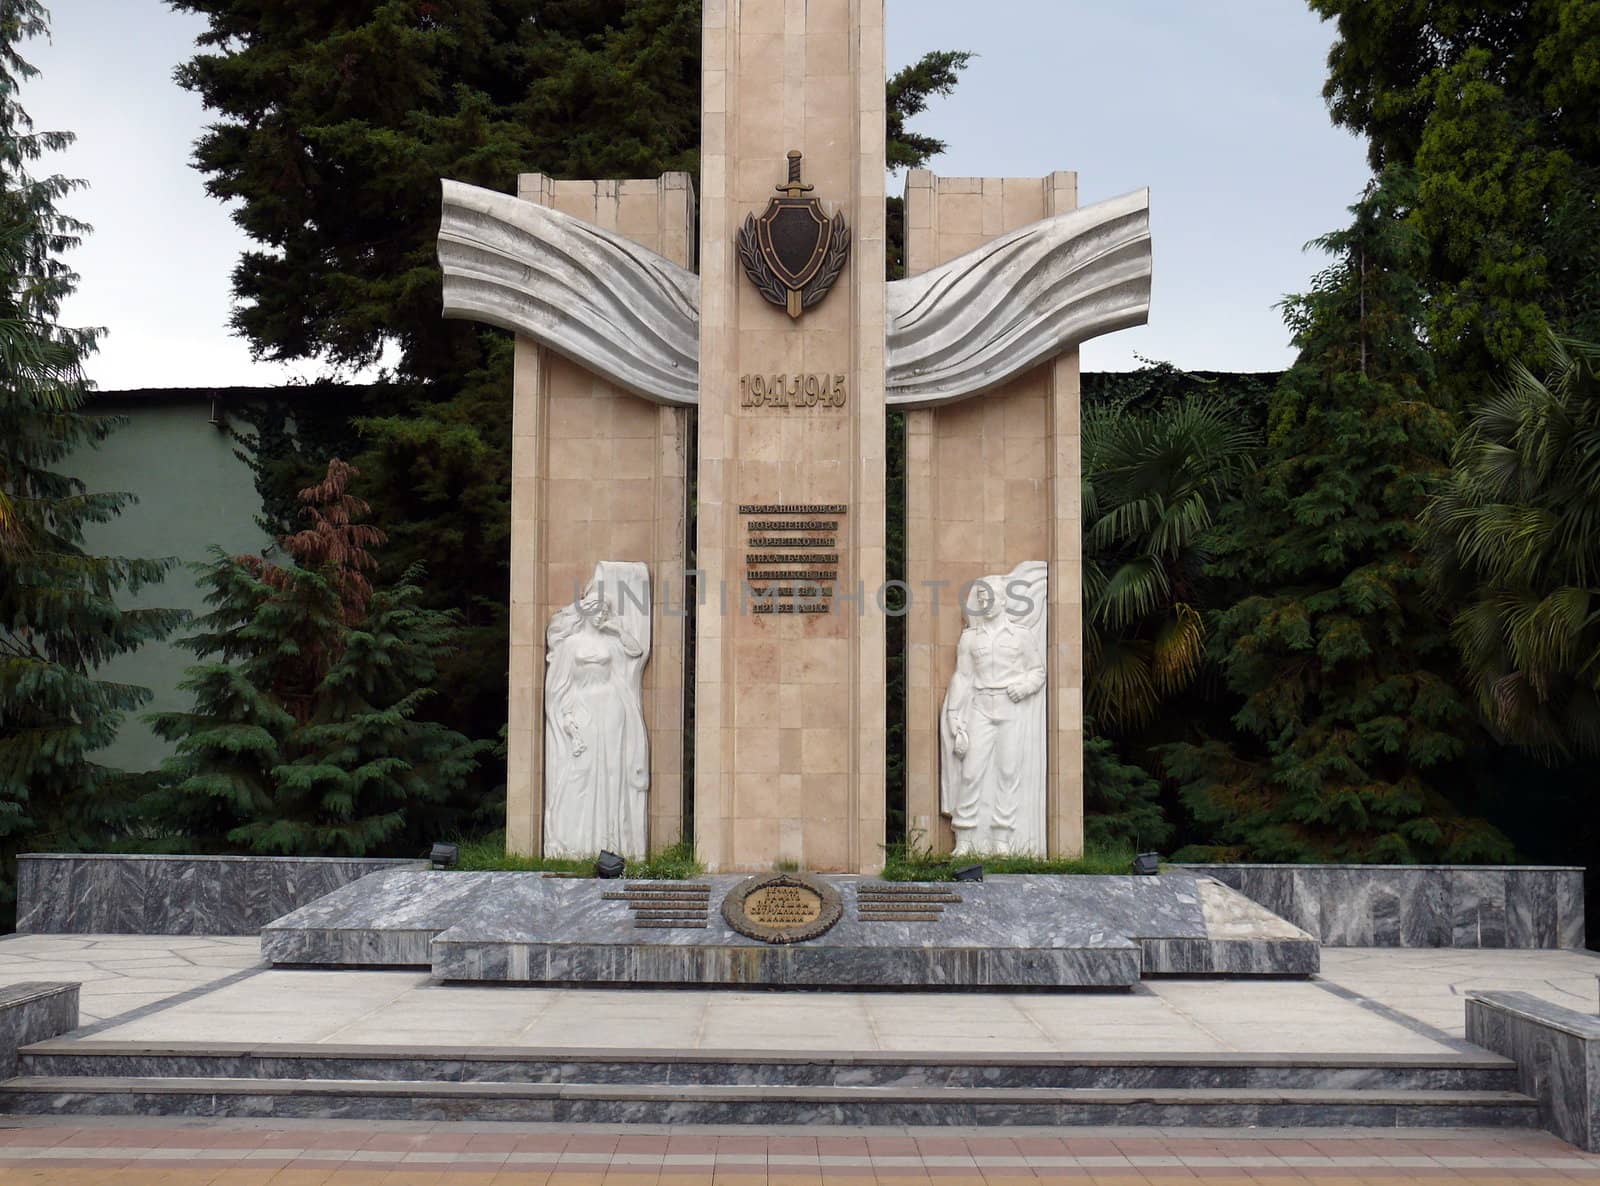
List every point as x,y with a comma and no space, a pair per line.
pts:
992,482
598,474
789,726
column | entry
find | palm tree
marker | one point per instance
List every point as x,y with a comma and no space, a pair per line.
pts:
1154,480
1516,533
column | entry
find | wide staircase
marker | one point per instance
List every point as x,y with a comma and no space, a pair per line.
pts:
85,1077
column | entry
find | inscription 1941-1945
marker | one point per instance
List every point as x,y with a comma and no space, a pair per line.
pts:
789,392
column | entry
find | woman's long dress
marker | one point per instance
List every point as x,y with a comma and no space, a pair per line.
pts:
596,799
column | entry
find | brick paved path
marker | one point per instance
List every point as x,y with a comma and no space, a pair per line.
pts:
349,1153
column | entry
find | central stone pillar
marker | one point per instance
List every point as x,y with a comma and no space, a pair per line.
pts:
789,712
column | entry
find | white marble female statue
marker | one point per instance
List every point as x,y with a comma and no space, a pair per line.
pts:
596,751
992,728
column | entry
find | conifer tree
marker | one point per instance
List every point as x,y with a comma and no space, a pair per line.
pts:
304,737
59,620
1351,734
1495,108
1122,802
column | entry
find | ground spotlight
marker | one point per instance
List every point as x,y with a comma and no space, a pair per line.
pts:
609,866
1147,864
969,873
444,856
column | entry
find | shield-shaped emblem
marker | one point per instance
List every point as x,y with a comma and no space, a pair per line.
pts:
793,252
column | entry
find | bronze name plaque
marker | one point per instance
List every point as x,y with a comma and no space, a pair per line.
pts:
782,907
796,569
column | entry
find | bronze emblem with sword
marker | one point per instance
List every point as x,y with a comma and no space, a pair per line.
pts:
793,253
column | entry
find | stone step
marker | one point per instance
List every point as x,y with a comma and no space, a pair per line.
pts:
1445,1072
767,1105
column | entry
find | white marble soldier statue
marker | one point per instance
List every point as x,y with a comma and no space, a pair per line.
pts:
992,777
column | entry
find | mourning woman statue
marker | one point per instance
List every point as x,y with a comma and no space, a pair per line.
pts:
992,729
596,752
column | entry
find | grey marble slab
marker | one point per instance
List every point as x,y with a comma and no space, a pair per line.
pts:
1418,905
31,1012
1454,1072
1020,931
769,1107
1557,1052
135,894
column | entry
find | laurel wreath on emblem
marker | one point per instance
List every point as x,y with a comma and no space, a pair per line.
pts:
768,284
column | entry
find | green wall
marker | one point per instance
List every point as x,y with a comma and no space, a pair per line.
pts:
193,491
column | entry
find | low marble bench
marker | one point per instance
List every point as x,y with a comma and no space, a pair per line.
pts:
1460,906
31,1012
139,894
1557,1052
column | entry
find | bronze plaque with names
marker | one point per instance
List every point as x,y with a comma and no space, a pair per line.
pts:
782,907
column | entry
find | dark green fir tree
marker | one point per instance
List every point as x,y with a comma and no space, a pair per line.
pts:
59,619
1352,732
305,737
1121,801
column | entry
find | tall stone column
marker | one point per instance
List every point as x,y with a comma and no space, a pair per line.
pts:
789,731
992,481
597,473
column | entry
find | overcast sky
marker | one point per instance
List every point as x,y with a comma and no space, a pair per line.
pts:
1215,106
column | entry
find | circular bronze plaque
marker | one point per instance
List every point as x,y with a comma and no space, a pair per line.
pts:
782,907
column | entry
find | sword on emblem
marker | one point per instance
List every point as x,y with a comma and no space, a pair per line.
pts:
793,253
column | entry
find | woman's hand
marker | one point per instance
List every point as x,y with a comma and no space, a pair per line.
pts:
570,727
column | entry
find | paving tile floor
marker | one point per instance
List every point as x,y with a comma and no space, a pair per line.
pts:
1430,986
1366,1001
183,988
405,1009
124,1152
122,973
203,988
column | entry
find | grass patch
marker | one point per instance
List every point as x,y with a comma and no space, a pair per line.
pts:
904,862
488,855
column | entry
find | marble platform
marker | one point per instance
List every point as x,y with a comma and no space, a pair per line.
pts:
144,894
1009,931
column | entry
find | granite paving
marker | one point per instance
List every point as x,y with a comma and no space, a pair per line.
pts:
161,988
123,973
1432,986
280,1152
352,1008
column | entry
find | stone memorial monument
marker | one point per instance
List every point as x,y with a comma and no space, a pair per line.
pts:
772,372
